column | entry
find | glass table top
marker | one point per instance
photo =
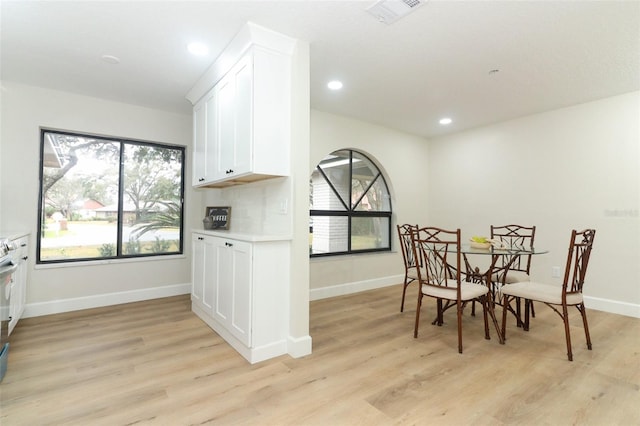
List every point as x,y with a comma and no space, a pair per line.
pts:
467,249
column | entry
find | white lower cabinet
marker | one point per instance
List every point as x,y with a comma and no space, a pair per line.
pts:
240,290
19,282
232,283
203,269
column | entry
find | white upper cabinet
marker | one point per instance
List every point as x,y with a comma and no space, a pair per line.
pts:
246,131
204,141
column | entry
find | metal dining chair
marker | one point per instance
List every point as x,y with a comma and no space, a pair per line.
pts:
520,237
515,236
410,262
558,298
441,277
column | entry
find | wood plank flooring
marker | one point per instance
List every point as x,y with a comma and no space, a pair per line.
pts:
156,363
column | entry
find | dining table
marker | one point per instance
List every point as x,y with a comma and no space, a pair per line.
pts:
501,260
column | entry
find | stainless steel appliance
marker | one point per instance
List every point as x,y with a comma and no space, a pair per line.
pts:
7,268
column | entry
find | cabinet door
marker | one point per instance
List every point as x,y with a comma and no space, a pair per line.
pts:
203,272
211,134
225,111
223,278
241,291
243,74
235,120
14,305
199,144
210,266
233,290
19,283
197,272
204,139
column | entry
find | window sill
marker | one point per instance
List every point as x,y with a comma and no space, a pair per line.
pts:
108,261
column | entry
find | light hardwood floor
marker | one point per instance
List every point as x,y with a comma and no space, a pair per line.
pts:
156,363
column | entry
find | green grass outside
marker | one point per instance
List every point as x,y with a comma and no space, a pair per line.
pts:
71,225
90,252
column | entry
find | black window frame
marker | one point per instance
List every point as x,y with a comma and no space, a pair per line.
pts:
349,211
119,243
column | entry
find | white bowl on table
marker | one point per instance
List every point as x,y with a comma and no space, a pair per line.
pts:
483,246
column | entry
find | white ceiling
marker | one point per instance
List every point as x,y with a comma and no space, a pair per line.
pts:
435,62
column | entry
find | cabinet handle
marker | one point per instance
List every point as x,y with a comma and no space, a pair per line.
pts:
228,244
201,180
200,238
229,171
23,245
25,258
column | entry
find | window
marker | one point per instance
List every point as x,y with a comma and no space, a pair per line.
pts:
350,206
107,198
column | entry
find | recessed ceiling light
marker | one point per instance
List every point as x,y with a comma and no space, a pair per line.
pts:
446,120
198,49
110,59
334,85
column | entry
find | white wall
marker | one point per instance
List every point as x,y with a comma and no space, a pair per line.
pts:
24,110
402,159
575,167
300,145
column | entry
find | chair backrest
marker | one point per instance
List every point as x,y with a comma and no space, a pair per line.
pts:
439,249
516,236
577,260
404,234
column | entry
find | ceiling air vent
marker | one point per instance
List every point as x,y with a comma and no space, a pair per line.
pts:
389,11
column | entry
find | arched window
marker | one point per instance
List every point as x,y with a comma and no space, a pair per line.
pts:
350,206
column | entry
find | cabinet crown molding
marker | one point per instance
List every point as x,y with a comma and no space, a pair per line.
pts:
251,35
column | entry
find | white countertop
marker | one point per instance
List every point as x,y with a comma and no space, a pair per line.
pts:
12,234
243,236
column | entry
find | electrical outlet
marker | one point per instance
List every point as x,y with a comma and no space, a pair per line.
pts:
555,272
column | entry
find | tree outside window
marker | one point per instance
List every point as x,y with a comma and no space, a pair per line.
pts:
108,198
350,206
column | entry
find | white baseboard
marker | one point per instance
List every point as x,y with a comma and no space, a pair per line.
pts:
100,300
221,331
297,347
612,306
354,287
264,352
599,304
253,355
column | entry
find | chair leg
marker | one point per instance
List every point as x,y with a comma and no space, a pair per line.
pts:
533,311
492,313
518,313
586,325
415,330
505,307
527,306
404,291
459,308
485,308
565,317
